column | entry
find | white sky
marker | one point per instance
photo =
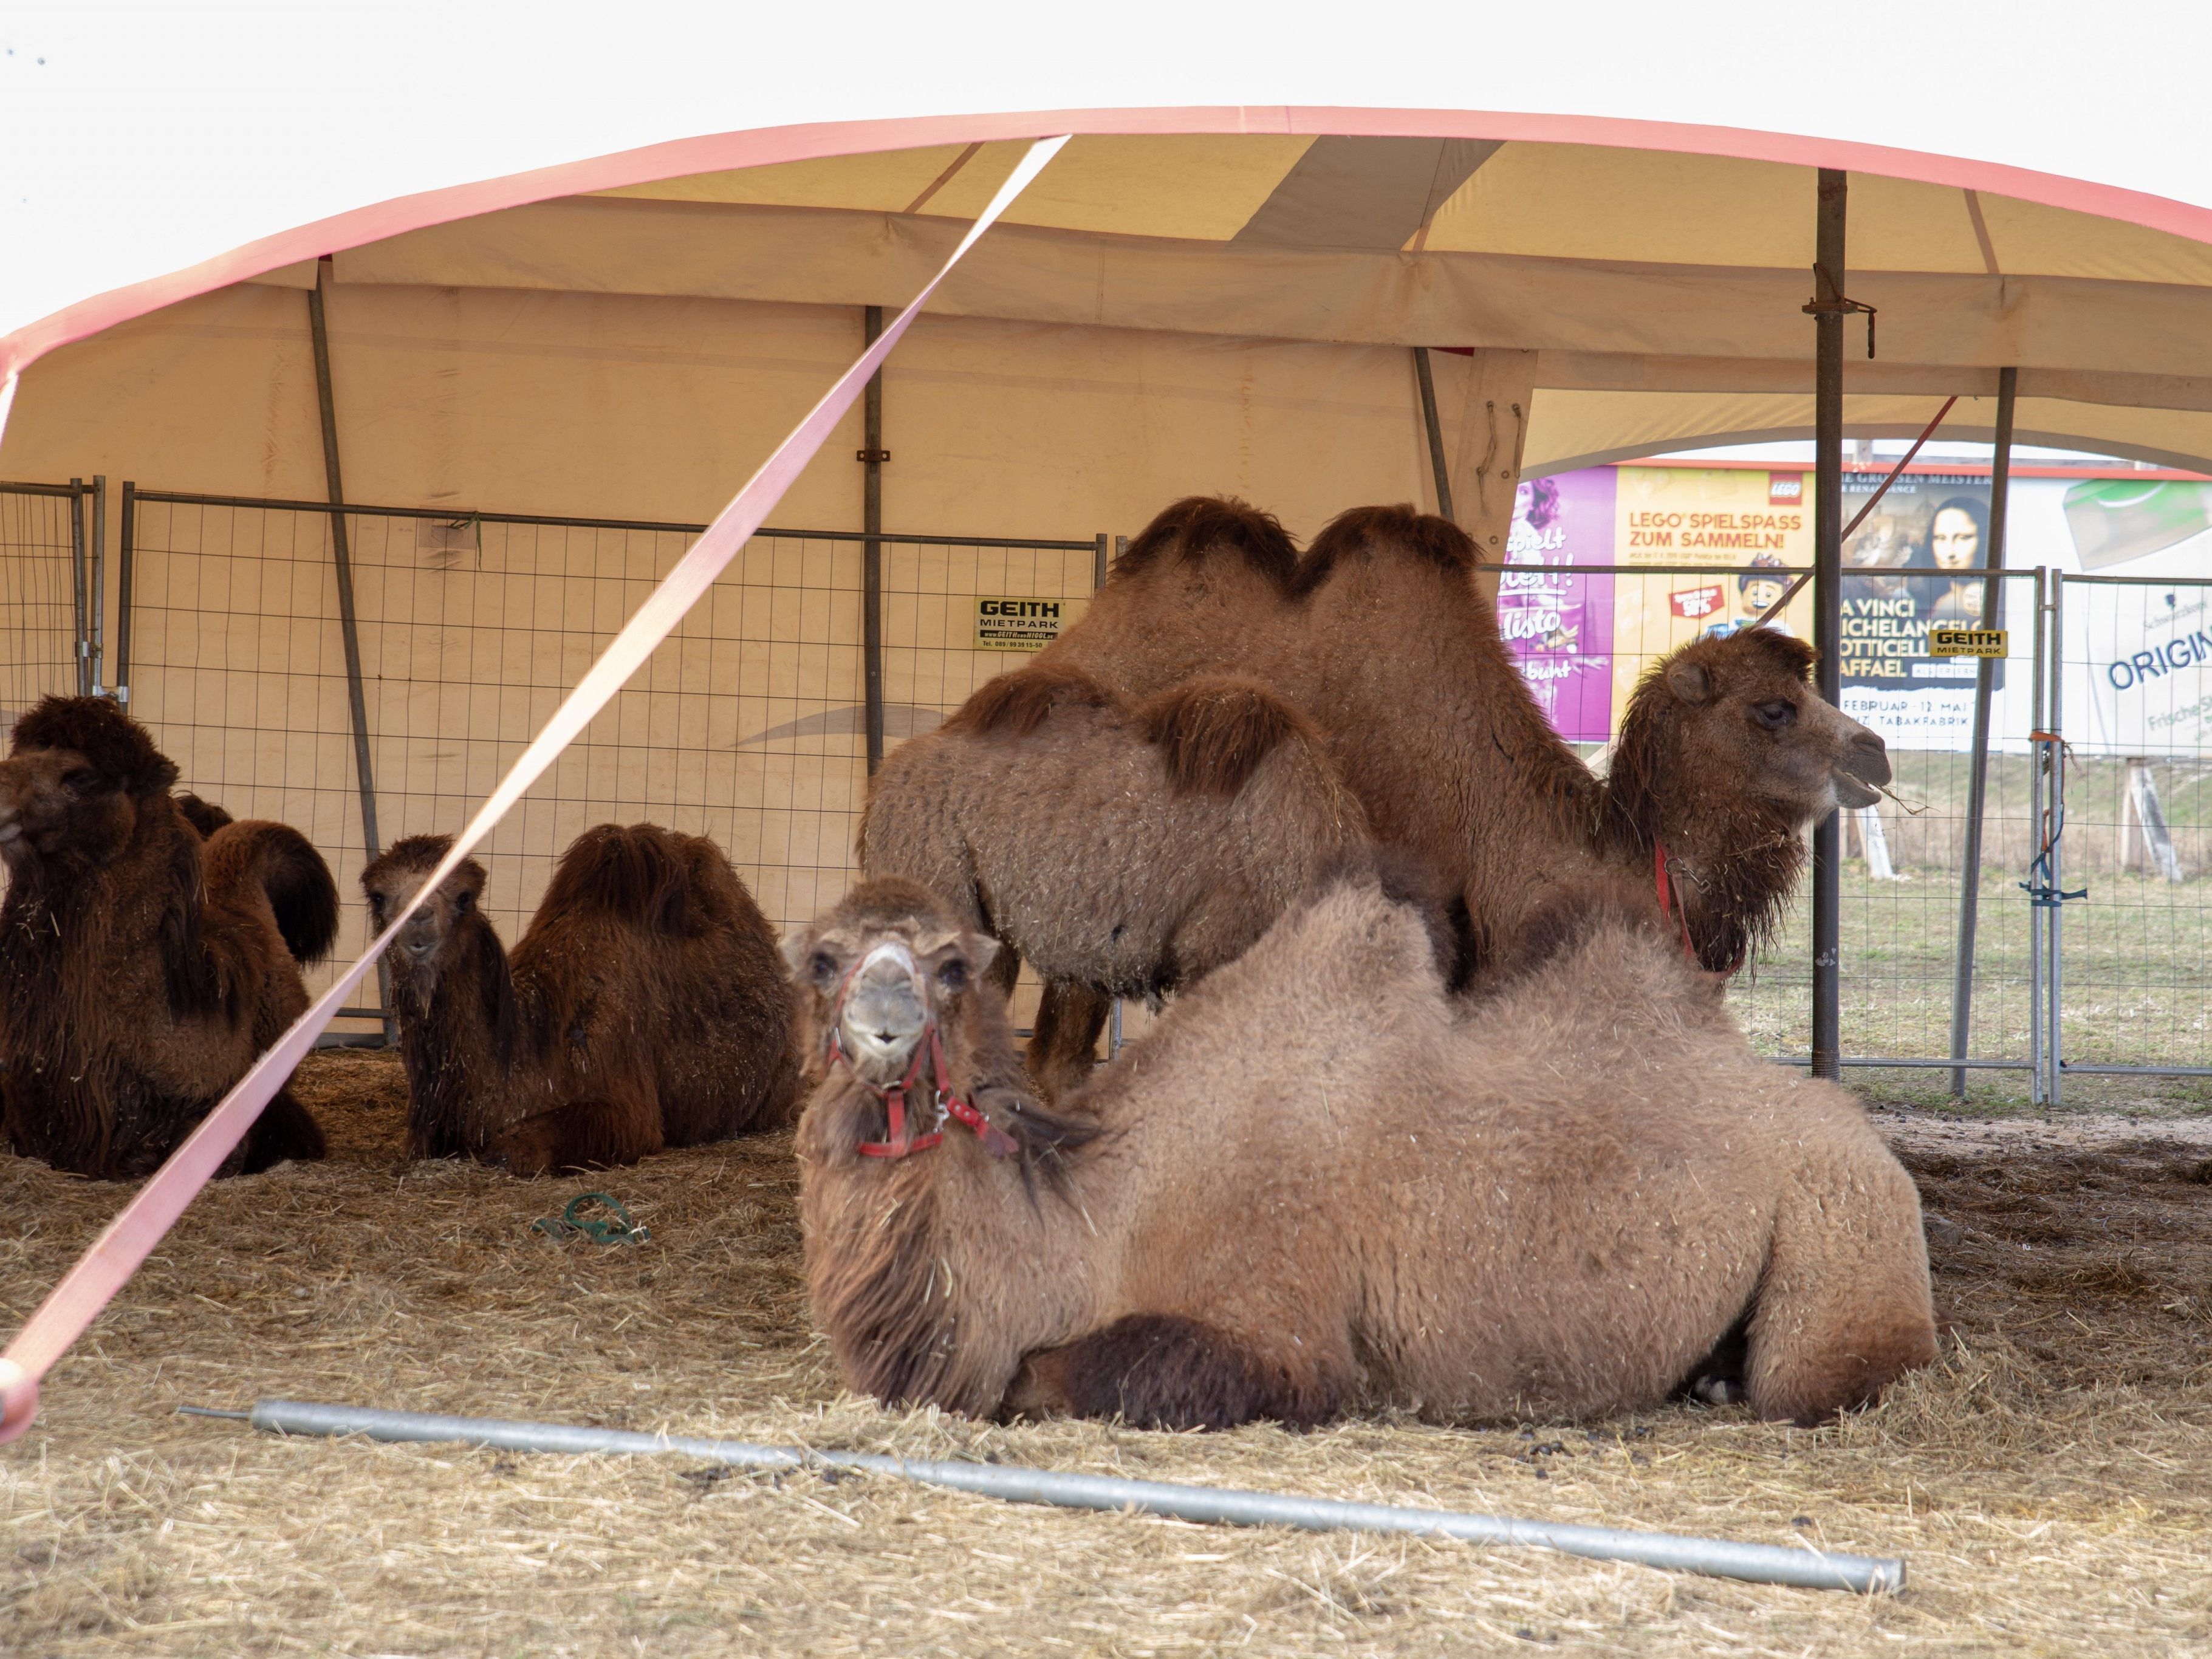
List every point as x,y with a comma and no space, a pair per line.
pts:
137,139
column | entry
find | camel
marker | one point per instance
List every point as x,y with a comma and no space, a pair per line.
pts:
204,816
143,968
1380,636
1571,1190
646,1005
1125,851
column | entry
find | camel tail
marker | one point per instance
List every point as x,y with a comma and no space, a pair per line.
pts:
1213,733
1200,527
1015,705
288,868
203,816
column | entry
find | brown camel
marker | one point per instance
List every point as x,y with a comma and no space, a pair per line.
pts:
1573,1190
1380,636
204,816
142,968
646,1005
1125,851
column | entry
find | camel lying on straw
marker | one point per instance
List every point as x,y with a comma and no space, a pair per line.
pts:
1323,1183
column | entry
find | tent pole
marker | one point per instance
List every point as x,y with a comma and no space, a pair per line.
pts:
127,533
81,591
99,581
349,627
872,551
1435,429
1970,875
1827,591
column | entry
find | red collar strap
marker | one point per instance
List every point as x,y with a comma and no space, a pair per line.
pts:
898,1142
1672,907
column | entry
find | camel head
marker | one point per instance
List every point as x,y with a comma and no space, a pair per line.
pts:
79,776
883,969
1733,720
422,949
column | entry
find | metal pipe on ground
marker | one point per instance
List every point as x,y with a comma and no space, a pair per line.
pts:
1757,1564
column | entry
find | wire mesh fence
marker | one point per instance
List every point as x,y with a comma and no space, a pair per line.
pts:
747,726
45,595
2135,704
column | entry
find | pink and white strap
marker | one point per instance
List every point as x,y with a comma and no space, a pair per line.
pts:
130,1237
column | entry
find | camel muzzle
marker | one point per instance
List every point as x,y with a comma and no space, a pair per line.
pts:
881,1016
1863,764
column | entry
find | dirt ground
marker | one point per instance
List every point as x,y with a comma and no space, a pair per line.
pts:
2050,1481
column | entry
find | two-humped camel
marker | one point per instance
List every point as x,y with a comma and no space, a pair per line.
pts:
150,948
1381,640
645,1007
1562,1192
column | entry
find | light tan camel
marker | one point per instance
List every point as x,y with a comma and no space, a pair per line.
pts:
1381,636
1127,851
1558,1194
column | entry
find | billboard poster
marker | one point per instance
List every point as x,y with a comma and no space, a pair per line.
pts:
1906,568
1557,621
1709,538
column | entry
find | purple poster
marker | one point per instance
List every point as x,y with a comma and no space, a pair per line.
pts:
1558,622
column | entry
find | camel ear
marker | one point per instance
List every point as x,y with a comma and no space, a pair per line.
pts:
1690,682
794,953
980,950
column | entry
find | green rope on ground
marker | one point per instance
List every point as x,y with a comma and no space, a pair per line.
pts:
621,1230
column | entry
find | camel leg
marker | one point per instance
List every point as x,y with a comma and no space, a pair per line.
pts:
1165,1371
1064,1043
284,1130
580,1134
1845,1304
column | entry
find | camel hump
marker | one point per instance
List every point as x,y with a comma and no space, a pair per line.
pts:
1198,528
1363,532
1213,733
286,866
1014,705
1613,914
638,874
203,816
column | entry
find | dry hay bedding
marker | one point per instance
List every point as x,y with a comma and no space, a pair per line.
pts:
2050,1480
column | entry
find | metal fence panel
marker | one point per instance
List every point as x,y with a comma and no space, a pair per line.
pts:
2135,662
747,726
43,594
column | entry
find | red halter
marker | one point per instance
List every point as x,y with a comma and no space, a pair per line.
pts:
1672,907
996,1141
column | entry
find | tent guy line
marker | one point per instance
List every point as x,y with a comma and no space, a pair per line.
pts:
103,1270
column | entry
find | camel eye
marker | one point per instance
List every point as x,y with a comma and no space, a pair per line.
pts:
376,910
1774,715
79,778
463,902
822,968
953,976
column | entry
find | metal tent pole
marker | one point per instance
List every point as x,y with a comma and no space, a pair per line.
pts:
99,581
348,625
872,456
1101,553
126,536
1426,379
80,590
1970,877
2053,1032
1827,309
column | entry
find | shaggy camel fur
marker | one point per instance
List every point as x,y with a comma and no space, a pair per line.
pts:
1128,851
204,816
646,1005
142,969
1558,1193
1381,636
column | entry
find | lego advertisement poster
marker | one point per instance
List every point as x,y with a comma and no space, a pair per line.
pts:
1717,547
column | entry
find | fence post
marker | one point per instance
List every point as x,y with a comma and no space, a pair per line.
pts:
1969,878
1098,557
2056,909
80,579
872,551
99,581
2036,830
348,629
126,534
1828,597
